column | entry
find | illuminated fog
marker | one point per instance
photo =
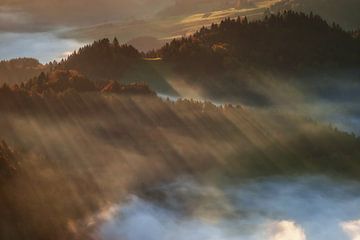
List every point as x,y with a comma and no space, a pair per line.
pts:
277,208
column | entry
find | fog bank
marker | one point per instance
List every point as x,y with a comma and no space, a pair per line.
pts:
299,208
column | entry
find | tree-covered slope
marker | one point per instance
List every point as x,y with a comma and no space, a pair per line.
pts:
288,41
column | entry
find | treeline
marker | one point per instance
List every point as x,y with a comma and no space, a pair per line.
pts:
102,60
61,85
59,81
287,41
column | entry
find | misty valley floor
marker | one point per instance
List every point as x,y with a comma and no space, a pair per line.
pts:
77,154
274,208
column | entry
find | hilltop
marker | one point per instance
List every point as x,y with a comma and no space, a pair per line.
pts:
287,41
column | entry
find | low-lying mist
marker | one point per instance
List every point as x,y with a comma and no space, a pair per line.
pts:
275,208
83,152
330,97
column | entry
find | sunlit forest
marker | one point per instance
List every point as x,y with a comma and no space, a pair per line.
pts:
247,128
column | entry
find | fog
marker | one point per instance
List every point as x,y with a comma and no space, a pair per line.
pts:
331,98
86,153
297,208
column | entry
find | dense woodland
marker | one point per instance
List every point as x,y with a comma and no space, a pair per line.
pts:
287,41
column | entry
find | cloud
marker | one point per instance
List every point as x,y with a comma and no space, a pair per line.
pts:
12,20
352,229
36,15
278,208
287,230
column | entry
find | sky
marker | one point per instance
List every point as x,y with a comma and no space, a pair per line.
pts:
36,28
51,29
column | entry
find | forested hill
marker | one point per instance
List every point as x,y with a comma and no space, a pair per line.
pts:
226,62
288,41
102,59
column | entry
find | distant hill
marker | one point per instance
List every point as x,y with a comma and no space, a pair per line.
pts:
343,12
20,69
